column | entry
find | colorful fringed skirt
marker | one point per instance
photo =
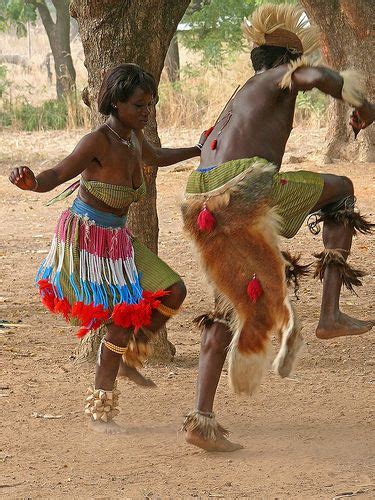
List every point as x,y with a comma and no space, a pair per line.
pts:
96,272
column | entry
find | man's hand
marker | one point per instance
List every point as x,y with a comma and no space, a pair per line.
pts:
23,178
362,117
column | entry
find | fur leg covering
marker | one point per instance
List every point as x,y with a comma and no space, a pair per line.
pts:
350,276
294,270
205,424
218,315
243,243
341,212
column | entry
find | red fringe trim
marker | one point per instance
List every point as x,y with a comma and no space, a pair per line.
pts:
91,317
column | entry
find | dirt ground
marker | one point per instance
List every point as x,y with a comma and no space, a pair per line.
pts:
309,436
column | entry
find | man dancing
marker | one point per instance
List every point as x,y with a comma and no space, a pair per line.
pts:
237,204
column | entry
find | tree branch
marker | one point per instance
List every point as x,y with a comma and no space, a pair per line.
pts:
44,14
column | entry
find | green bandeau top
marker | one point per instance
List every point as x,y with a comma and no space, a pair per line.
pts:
112,195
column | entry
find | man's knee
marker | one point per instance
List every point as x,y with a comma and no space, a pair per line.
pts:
348,188
216,338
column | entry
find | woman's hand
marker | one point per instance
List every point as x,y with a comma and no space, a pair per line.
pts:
203,137
23,178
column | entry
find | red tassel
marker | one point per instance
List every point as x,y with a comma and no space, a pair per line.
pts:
213,144
254,289
208,132
206,221
283,182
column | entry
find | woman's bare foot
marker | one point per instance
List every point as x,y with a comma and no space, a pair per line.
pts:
343,326
133,374
220,444
105,427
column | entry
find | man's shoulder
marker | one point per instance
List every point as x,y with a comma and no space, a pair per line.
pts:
269,79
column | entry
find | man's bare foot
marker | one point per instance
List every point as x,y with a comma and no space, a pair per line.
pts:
133,374
220,444
343,326
105,427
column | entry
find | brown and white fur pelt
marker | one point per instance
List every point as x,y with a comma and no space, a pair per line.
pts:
244,242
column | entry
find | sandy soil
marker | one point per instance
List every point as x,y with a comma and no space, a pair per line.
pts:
310,436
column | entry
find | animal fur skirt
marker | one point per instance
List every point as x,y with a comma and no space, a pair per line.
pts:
232,217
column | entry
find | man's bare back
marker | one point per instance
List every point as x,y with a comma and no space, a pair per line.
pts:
256,122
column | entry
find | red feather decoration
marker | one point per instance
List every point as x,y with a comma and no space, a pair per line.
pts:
208,131
254,289
206,221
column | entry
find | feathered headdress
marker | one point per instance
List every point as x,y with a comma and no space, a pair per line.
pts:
283,25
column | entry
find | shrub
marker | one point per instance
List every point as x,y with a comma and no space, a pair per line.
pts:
50,115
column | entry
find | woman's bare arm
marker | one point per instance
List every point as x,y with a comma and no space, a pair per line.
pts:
162,157
83,154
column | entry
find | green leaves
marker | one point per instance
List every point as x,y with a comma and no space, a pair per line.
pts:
16,13
213,27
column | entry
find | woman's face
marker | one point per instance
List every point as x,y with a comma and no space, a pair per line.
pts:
135,112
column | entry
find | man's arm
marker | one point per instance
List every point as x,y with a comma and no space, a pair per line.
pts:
326,80
340,86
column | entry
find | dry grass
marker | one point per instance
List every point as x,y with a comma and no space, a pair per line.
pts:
32,82
194,101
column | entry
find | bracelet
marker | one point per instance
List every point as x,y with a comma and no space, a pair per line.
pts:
199,146
36,185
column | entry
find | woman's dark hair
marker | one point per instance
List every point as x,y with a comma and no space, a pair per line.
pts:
270,56
120,83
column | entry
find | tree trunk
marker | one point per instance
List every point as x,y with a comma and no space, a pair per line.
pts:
172,61
58,35
118,31
346,28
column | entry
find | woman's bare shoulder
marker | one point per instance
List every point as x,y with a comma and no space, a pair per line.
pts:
96,141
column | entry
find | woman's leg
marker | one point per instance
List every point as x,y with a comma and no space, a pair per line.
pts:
101,403
169,307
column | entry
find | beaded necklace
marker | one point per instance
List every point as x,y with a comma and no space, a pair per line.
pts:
127,142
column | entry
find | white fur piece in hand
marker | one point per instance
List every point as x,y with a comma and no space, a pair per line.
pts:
353,87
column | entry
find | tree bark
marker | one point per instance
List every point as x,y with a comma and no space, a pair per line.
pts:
137,31
59,39
347,42
172,61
